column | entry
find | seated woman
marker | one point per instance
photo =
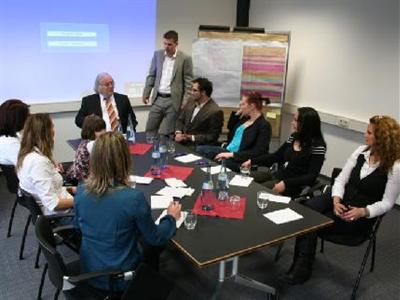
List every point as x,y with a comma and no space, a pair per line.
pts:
300,158
13,114
112,216
251,138
37,171
93,126
367,187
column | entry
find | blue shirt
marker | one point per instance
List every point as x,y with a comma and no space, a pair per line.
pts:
111,226
234,145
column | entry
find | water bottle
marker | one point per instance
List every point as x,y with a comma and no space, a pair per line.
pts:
155,167
207,191
163,153
223,184
130,132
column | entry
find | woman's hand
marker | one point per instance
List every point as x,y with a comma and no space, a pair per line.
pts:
353,214
174,209
60,168
224,155
247,163
338,208
279,187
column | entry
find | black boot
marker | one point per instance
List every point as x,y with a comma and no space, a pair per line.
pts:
301,269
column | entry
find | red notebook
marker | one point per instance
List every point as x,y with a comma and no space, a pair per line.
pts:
139,149
223,211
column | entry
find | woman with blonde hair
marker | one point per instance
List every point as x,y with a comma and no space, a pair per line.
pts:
112,216
37,171
366,188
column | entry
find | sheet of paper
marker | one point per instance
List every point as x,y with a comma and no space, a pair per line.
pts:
173,192
173,182
240,180
178,222
140,179
158,201
275,198
187,158
282,216
215,169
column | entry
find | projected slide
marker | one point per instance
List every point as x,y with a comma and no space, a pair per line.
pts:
51,51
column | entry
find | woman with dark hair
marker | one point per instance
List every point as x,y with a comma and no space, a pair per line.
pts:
251,137
93,126
366,188
113,217
300,158
38,172
13,114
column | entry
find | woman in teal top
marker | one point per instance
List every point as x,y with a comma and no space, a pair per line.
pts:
251,135
112,216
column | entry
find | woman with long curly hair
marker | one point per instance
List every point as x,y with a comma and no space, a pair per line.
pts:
366,188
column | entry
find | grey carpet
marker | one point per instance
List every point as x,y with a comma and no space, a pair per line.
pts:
333,278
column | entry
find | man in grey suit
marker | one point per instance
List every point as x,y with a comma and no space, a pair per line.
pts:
170,78
201,120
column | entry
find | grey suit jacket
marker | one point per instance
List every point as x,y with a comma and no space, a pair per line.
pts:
181,77
206,125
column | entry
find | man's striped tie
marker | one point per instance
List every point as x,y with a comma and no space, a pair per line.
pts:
111,114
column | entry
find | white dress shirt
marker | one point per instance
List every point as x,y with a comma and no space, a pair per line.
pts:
104,111
166,75
9,148
39,177
392,189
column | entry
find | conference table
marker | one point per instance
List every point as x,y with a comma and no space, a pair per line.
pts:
224,240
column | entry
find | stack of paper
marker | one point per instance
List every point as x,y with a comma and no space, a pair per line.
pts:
282,216
215,169
240,180
178,222
173,182
175,192
187,158
140,179
158,201
275,198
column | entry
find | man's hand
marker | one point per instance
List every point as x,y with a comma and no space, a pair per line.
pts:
145,99
223,155
279,187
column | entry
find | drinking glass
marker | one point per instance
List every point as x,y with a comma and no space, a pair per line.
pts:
245,171
190,220
170,147
149,137
262,199
234,202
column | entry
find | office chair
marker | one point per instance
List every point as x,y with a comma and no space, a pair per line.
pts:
144,283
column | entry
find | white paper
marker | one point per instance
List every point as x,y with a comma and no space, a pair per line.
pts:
282,216
240,180
275,198
173,182
215,169
158,201
173,192
140,179
178,222
187,158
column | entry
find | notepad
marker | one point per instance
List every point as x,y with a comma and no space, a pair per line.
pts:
187,158
275,198
175,192
140,179
178,222
159,201
240,180
173,182
215,169
282,216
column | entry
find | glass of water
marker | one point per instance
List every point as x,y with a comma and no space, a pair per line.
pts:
149,137
234,202
190,220
245,171
262,199
170,147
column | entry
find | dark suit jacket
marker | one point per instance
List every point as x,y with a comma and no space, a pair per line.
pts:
206,125
91,105
255,140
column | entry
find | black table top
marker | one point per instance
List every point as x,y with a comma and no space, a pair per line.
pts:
215,239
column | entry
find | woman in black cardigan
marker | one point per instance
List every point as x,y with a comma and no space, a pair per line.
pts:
300,158
251,138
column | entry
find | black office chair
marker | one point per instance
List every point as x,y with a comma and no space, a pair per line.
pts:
12,187
355,242
67,277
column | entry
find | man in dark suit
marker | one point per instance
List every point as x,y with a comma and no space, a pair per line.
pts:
114,108
169,77
201,120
